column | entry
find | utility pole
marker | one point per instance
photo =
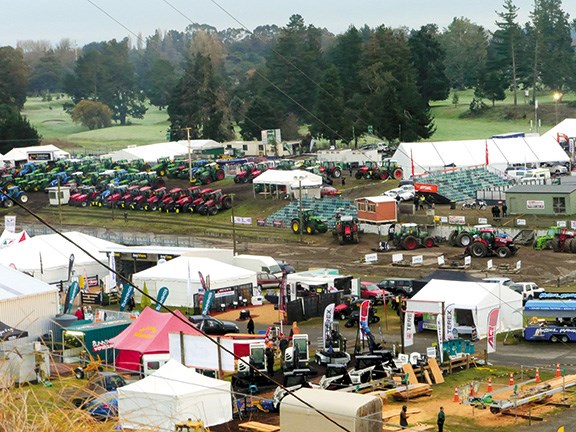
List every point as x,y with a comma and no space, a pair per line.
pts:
233,233
189,155
300,196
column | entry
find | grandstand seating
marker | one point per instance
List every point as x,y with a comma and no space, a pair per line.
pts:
462,184
326,208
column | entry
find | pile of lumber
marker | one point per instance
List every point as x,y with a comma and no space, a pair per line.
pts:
412,392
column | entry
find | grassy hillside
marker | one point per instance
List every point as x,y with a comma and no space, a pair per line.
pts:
453,122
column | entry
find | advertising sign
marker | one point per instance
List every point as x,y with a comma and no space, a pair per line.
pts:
10,223
457,220
492,325
535,205
408,329
328,320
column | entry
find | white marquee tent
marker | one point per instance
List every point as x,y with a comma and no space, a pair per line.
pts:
566,128
478,298
500,152
152,152
46,257
173,394
291,181
180,276
26,303
20,154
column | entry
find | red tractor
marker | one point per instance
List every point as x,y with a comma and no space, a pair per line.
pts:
84,196
153,202
246,173
215,202
139,201
346,230
168,201
128,197
202,196
490,242
365,171
563,241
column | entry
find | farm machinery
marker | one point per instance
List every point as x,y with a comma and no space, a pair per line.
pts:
209,173
490,242
214,202
311,223
411,236
372,170
346,230
12,193
463,237
247,172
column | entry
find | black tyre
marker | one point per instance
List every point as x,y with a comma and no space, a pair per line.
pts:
566,247
410,243
337,173
428,242
310,230
573,246
564,339
295,226
349,324
464,239
79,373
554,339
478,250
342,316
84,204
503,252
452,238
375,319
236,179
358,175
8,203
227,202
555,244
212,211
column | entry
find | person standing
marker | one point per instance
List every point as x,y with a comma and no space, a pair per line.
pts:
250,326
504,210
441,418
404,417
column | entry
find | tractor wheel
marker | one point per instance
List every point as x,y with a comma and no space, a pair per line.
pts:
398,174
337,173
555,244
463,239
186,208
573,246
295,226
479,250
410,243
213,211
383,175
368,175
83,203
428,242
220,174
452,238
162,172
236,179
567,245
8,203
79,373
23,198
503,252
375,319
207,180
349,324
227,202
358,175
310,230
153,207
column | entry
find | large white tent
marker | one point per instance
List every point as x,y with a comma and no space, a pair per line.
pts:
498,152
173,394
180,275
565,129
46,257
20,154
475,297
26,303
152,152
291,180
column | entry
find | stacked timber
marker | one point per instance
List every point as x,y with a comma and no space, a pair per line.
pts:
412,392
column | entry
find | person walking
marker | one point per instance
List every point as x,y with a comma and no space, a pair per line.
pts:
250,326
404,417
441,418
504,210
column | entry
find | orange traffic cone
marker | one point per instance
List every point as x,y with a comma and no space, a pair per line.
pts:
489,389
456,397
511,382
538,375
472,394
558,373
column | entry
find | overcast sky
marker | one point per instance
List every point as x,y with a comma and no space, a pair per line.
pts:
83,22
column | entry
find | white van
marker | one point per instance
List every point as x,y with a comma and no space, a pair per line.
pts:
258,264
152,362
536,176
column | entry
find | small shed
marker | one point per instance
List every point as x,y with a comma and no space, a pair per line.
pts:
378,209
348,411
53,195
542,199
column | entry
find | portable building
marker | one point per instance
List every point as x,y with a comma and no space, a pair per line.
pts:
542,199
173,394
377,209
349,411
290,182
18,364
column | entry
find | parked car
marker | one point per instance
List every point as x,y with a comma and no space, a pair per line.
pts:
400,286
529,290
371,291
558,169
503,280
104,407
267,280
100,383
406,192
213,326
286,268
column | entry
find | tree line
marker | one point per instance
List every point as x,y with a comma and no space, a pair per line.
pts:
380,80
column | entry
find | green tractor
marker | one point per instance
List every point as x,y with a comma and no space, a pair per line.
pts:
311,223
463,237
545,241
412,236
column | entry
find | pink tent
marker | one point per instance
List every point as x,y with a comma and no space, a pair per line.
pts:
148,334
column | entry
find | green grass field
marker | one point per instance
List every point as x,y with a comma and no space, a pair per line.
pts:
452,122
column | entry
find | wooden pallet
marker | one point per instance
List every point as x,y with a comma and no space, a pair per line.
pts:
254,426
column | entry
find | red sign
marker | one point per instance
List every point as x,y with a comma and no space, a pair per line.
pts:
424,187
492,324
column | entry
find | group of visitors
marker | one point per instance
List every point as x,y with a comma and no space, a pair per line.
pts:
496,212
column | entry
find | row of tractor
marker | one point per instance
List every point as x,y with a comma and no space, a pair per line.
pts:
482,241
176,200
387,169
346,230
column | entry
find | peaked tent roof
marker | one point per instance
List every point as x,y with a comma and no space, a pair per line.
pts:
450,275
288,177
21,153
152,152
14,284
565,127
149,332
434,156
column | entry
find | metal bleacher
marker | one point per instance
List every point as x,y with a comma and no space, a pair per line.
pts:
462,184
326,208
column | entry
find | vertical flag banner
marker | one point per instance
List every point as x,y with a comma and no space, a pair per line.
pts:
70,265
328,320
439,325
112,276
72,293
487,159
492,325
364,312
162,296
412,162
202,281
189,291
207,303
408,329
127,292
449,313
41,263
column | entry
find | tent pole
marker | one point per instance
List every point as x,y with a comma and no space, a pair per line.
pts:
219,359
182,353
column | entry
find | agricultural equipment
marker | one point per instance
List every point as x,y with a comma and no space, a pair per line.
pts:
346,230
116,197
564,241
366,170
412,236
490,242
84,196
161,167
168,201
355,315
246,173
13,193
214,202
331,169
311,223
462,237
126,199
153,202
209,173
545,241
286,165
388,169
199,197
139,200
